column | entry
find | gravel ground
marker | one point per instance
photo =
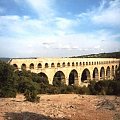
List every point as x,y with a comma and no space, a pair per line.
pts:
61,107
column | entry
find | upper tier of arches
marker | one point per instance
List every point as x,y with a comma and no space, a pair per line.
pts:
60,64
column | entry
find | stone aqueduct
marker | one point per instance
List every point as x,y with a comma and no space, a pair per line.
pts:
78,71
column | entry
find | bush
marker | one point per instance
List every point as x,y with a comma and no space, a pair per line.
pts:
7,92
53,90
31,95
92,88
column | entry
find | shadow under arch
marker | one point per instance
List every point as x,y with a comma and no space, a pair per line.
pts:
102,73
59,78
73,77
43,77
95,74
85,77
108,73
113,71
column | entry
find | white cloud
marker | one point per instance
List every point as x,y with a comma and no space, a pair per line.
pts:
64,23
65,45
44,8
108,13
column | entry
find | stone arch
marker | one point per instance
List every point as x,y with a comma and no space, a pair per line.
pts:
15,66
43,77
95,74
46,65
68,64
73,64
31,66
116,67
23,66
102,73
52,65
73,77
39,65
63,64
59,78
112,71
108,72
76,63
58,64
85,77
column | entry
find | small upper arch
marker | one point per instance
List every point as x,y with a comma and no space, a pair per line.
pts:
63,64
52,65
39,65
31,66
23,66
15,66
58,64
46,65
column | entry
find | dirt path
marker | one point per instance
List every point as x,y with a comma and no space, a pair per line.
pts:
61,107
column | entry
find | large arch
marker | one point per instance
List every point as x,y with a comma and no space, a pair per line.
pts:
113,71
43,77
85,77
73,77
108,73
59,78
102,73
116,67
95,74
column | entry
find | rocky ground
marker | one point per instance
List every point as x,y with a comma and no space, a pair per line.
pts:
61,107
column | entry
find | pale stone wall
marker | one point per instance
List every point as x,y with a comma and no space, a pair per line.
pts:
80,64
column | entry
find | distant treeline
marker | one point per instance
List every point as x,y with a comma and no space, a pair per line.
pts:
100,55
5,59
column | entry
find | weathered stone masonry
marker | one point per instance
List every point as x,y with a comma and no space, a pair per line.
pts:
76,71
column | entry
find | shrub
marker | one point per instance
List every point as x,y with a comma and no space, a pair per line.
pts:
31,95
7,92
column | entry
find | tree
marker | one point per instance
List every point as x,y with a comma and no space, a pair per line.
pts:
7,80
117,74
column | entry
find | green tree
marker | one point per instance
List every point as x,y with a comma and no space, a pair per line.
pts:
117,74
7,80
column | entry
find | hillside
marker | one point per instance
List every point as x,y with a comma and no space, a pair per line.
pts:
100,55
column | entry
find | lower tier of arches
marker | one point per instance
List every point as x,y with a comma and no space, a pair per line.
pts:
77,77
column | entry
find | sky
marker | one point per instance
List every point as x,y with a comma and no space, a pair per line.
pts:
58,28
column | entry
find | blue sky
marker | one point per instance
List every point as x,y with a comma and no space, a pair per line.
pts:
58,28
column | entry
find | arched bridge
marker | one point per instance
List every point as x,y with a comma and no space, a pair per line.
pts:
77,71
